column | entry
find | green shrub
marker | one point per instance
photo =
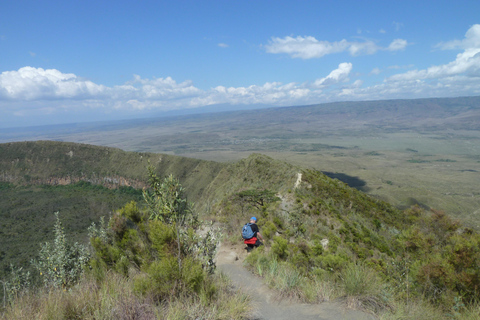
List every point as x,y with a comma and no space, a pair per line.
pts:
269,230
131,211
317,248
436,278
161,236
280,247
330,262
164,278
278,222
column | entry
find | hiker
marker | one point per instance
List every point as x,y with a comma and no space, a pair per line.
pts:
251,240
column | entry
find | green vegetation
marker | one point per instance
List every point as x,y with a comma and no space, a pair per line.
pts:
325,240
376,255
135,267
61,263
26,216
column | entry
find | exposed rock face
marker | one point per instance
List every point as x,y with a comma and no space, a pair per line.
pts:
108,181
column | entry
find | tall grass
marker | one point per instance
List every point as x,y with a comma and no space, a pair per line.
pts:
362,288
114,298
289,282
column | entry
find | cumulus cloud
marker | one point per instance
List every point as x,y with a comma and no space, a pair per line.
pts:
31,91
472,40
308,47
336,76
274,93
467,63
36,83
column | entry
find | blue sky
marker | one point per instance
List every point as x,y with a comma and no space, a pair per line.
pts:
70,61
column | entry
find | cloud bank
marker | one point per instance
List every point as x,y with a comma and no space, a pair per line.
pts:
31,91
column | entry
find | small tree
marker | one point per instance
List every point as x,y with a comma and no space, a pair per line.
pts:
167,202
17,283
255,198
60,263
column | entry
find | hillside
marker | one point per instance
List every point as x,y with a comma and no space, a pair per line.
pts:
318,229
61,163
419,151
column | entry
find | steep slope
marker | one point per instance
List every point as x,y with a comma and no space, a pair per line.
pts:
61,163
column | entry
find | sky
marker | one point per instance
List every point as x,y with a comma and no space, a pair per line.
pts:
74,61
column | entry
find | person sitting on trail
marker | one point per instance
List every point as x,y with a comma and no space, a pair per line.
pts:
253,241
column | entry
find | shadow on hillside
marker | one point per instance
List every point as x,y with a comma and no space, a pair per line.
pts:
354,182
411,202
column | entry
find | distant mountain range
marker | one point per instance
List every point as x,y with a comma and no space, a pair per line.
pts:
461,113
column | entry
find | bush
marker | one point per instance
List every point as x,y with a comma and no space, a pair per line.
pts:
269,230
60,263
164,278
131,211
161,236
330,262
280,247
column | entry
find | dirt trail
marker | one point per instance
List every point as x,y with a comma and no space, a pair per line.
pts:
230,261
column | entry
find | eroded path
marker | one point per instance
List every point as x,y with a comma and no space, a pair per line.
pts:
230,261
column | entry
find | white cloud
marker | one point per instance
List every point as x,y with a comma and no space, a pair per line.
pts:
308,47
223,45
305,47
467,63
397,44
34,92
33,84
472,40
359,48
30,91
338,75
